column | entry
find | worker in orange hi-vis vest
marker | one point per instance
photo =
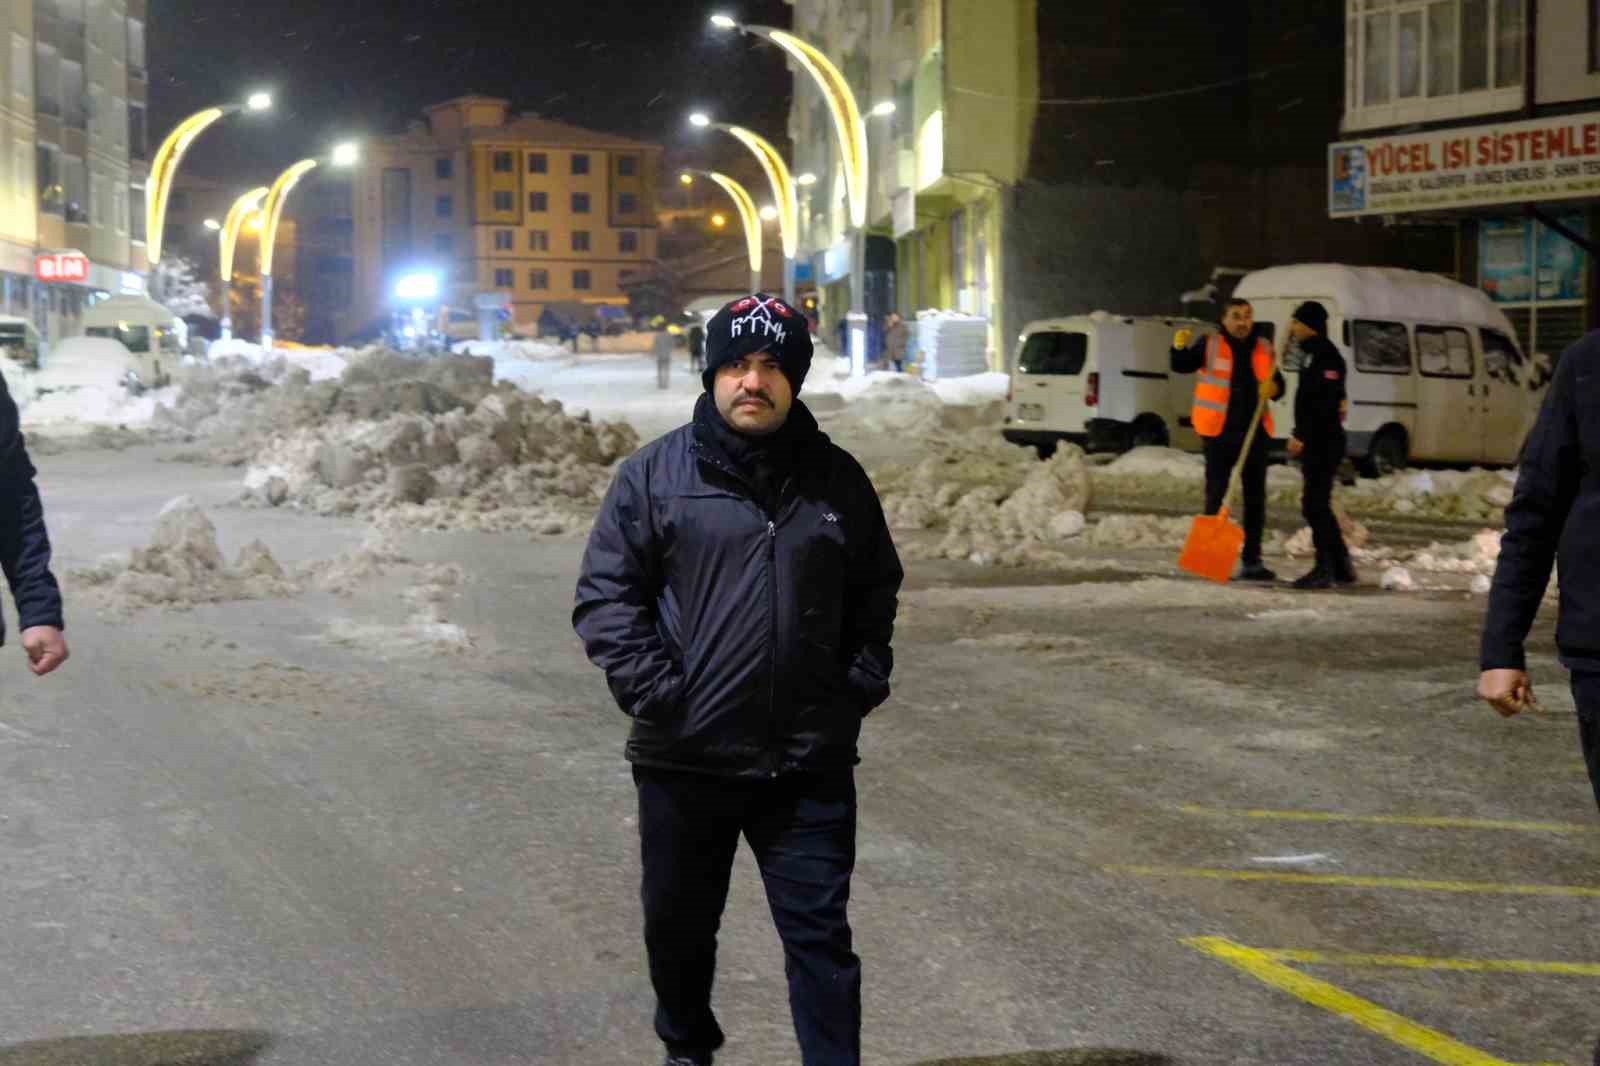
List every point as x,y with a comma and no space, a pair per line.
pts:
1222,414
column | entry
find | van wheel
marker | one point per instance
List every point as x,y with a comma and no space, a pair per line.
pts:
1388,454
1148,431
1045,450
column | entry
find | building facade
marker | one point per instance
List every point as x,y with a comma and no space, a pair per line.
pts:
1481,117
522,207
1045,159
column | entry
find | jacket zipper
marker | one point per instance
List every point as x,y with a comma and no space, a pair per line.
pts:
772,645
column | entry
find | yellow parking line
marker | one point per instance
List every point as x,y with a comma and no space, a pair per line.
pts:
1425,962
1392,819
1419,1038
1406,884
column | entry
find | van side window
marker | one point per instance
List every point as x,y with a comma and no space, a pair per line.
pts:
1444,352
1383,348
1054,353
1501,360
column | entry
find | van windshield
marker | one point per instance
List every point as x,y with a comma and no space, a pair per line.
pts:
134,338
1054,353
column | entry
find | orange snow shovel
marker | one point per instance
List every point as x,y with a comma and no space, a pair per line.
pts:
1215,541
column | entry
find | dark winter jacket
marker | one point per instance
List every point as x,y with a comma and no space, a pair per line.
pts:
1554,518
1241,400
1317,402
743,640
24,543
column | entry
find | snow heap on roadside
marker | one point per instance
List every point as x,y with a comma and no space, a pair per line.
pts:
508,462
79,391
891,404
183,565
1471,494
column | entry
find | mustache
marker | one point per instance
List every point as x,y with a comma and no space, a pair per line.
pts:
760,397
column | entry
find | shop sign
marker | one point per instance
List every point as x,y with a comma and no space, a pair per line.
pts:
69,267
1513,162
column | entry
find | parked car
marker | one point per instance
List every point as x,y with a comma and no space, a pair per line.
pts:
1435,370
1101,381
20,341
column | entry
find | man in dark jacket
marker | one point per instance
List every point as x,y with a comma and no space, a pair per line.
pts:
739,591
25,549
1553,517
1222,415
1318,442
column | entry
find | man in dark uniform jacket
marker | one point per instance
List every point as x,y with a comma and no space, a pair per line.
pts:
1319,442
25,549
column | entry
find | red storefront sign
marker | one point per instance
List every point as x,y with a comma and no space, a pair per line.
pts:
61,267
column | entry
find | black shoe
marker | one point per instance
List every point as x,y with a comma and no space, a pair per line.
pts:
1256,571
1318,578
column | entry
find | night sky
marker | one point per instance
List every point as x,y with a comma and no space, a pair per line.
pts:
360,67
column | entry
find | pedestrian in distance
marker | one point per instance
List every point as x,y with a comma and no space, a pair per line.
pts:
897,338
1318,441
25,549
1221,414
739,591
1553,519
697,347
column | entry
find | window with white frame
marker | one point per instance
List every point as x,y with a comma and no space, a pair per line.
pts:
1408,57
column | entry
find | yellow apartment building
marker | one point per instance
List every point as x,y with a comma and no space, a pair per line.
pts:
493,203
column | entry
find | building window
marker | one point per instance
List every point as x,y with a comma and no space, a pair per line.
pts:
443,207
580,163
628,241
580,240
627,166
443,167
503,200
1408,51
178,200
503,240
627,204
580,279
538,240
580,203
503,163
137,149
135,47
538,201
444,243
538,163
21,67
504,279
538,279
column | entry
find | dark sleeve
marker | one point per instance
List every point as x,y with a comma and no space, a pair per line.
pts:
615,613
1316,406
871,600
24,541
1188,360
1547,483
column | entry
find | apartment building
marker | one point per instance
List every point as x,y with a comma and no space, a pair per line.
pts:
1481,117
491,202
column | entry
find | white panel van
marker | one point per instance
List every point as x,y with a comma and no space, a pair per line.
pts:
156,338
1101,381
1435,370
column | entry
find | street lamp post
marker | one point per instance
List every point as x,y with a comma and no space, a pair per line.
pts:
748,214
164,165
243,208
852,134
345,155
783,192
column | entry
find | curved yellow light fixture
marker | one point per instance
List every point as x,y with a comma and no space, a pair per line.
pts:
749,214
782,182
842,105
273,209
163,165
243,208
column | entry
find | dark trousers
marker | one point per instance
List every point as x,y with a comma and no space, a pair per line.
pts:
1586,694
1221,453
802,830
1319,466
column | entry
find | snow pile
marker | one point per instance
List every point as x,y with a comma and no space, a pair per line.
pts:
922,495
511,461
80,388
512,350
891,404
427,628
1472,494
322,364
1152,471
1301,543
983,523
183,565
342,574
1397,579
1475,556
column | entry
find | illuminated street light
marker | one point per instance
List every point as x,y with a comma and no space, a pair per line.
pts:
807,178
785,198
420,287
686,179
344,155
747,214
882,109
347,154
700,120
245,208
768,213
723,22
852,135
212,224
164,165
